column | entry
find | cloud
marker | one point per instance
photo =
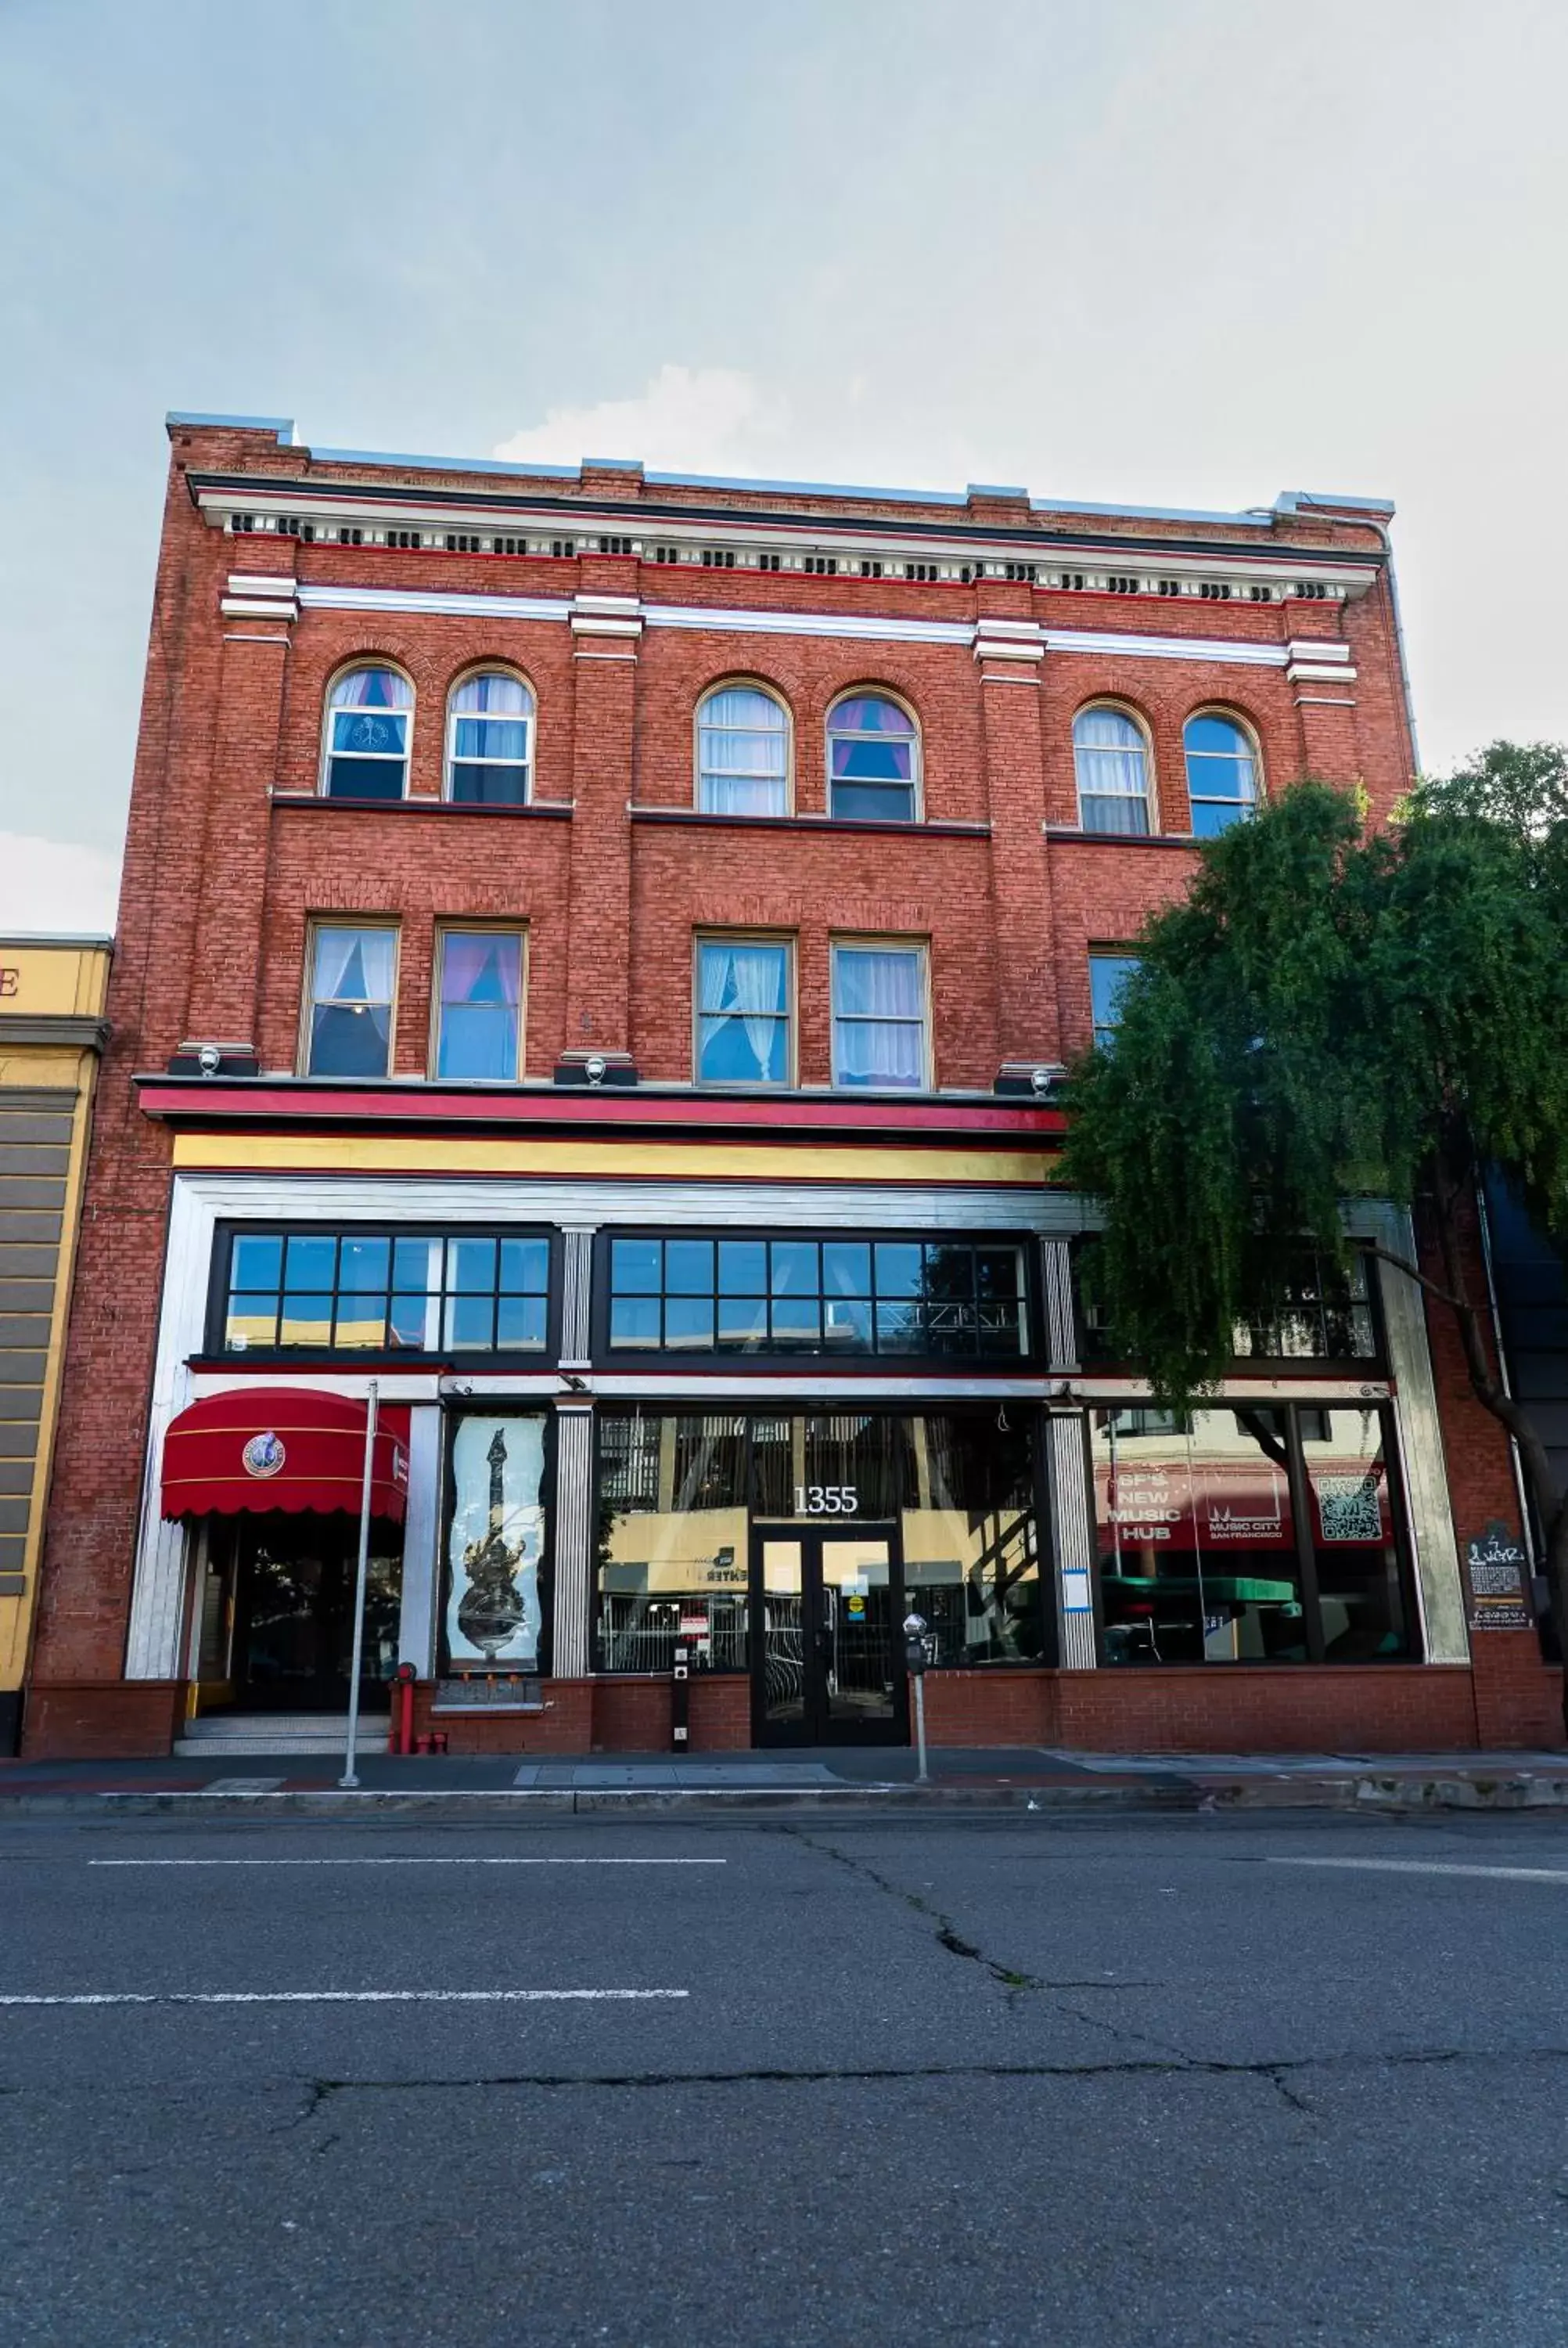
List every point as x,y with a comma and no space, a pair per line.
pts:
56,884
685,419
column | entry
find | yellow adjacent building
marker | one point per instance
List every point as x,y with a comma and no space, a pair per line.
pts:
52,1031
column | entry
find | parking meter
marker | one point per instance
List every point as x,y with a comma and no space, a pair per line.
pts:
915,1664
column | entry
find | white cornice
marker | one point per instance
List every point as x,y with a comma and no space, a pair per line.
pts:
1003,640
750,541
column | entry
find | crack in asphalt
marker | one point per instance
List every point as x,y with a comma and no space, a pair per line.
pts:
1006,1977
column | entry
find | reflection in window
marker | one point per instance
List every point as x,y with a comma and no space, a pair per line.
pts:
386,1292
1108,974
1111,762
1222,775
707,1295
489,741
478,1015
1208,1555
349,1031
971,1561
1324,1312
679,1492
742,753
742,1012
366,750
879,1016
872,752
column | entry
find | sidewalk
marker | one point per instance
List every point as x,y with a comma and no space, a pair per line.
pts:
869,1778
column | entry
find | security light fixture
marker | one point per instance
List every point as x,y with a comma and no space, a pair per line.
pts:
209,1059
594,1069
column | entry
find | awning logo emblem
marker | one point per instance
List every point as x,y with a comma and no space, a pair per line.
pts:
264,1455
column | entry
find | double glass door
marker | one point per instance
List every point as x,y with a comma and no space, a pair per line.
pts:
827,1638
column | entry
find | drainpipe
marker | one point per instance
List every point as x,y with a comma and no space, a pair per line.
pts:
1485,1221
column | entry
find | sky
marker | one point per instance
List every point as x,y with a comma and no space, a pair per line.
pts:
1189,253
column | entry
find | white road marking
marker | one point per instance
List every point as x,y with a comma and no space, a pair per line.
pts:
1433,1867
454,1861
350,1997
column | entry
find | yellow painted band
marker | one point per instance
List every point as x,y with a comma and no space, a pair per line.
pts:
377,1153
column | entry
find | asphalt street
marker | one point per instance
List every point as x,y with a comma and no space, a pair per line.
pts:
1140,2082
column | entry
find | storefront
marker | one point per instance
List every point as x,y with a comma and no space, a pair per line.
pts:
635,1421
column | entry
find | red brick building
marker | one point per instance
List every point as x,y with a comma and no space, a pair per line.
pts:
596,957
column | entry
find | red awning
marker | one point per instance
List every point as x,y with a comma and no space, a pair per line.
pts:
289,1447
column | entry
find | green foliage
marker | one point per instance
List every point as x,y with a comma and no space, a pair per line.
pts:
1326,1014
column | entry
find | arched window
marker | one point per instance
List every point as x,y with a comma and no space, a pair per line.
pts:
742,753
1111,757
490,740
873,759
1222,772
365,752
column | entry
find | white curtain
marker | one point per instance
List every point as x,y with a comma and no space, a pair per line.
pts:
353,965
749,980
1113,774
742,753
880,1005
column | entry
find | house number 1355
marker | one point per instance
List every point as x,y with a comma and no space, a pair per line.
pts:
825,1500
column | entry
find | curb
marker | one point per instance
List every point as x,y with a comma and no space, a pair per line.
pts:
1191,1796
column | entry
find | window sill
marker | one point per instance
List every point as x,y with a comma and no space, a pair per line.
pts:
1186,840
944,830
318,799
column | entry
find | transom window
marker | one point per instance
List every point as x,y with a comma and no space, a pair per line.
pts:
348,1013
927,1297
1222,773
1323,1313
489,741
742,1011
479,1005
742,753
879,1016
365,756
384,1292
1112,759
873,759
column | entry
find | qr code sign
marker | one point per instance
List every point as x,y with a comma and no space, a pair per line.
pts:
1348,1506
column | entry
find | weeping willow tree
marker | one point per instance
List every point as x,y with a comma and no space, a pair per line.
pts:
1332,1012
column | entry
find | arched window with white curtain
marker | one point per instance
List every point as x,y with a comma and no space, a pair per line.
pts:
1111,758
873,760
365,746
742,753
490,740
1222,772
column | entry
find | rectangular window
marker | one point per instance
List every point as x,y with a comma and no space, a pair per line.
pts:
679,1493
1323,1314
1248,1535
1108,974
879,1014
348,1010
742,995
710,1294
385,1292
479,1005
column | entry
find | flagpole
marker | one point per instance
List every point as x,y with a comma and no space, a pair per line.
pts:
349,1778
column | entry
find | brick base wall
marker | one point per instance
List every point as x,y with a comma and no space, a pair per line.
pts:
1237,1710
102,1719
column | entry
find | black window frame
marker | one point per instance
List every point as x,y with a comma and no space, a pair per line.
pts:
1293,1409
724,1359
398,1356
1311,1367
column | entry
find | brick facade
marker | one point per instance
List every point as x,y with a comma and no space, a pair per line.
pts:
230,853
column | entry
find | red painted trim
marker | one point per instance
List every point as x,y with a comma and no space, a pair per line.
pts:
205,1101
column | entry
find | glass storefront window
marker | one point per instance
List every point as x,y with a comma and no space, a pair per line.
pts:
1323,1314
492,1616
1246,1535
381,1292
935,1298
680,1493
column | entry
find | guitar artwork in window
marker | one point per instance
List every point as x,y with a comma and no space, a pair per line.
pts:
496,1543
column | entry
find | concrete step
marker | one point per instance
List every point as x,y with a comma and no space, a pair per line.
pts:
216,1735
